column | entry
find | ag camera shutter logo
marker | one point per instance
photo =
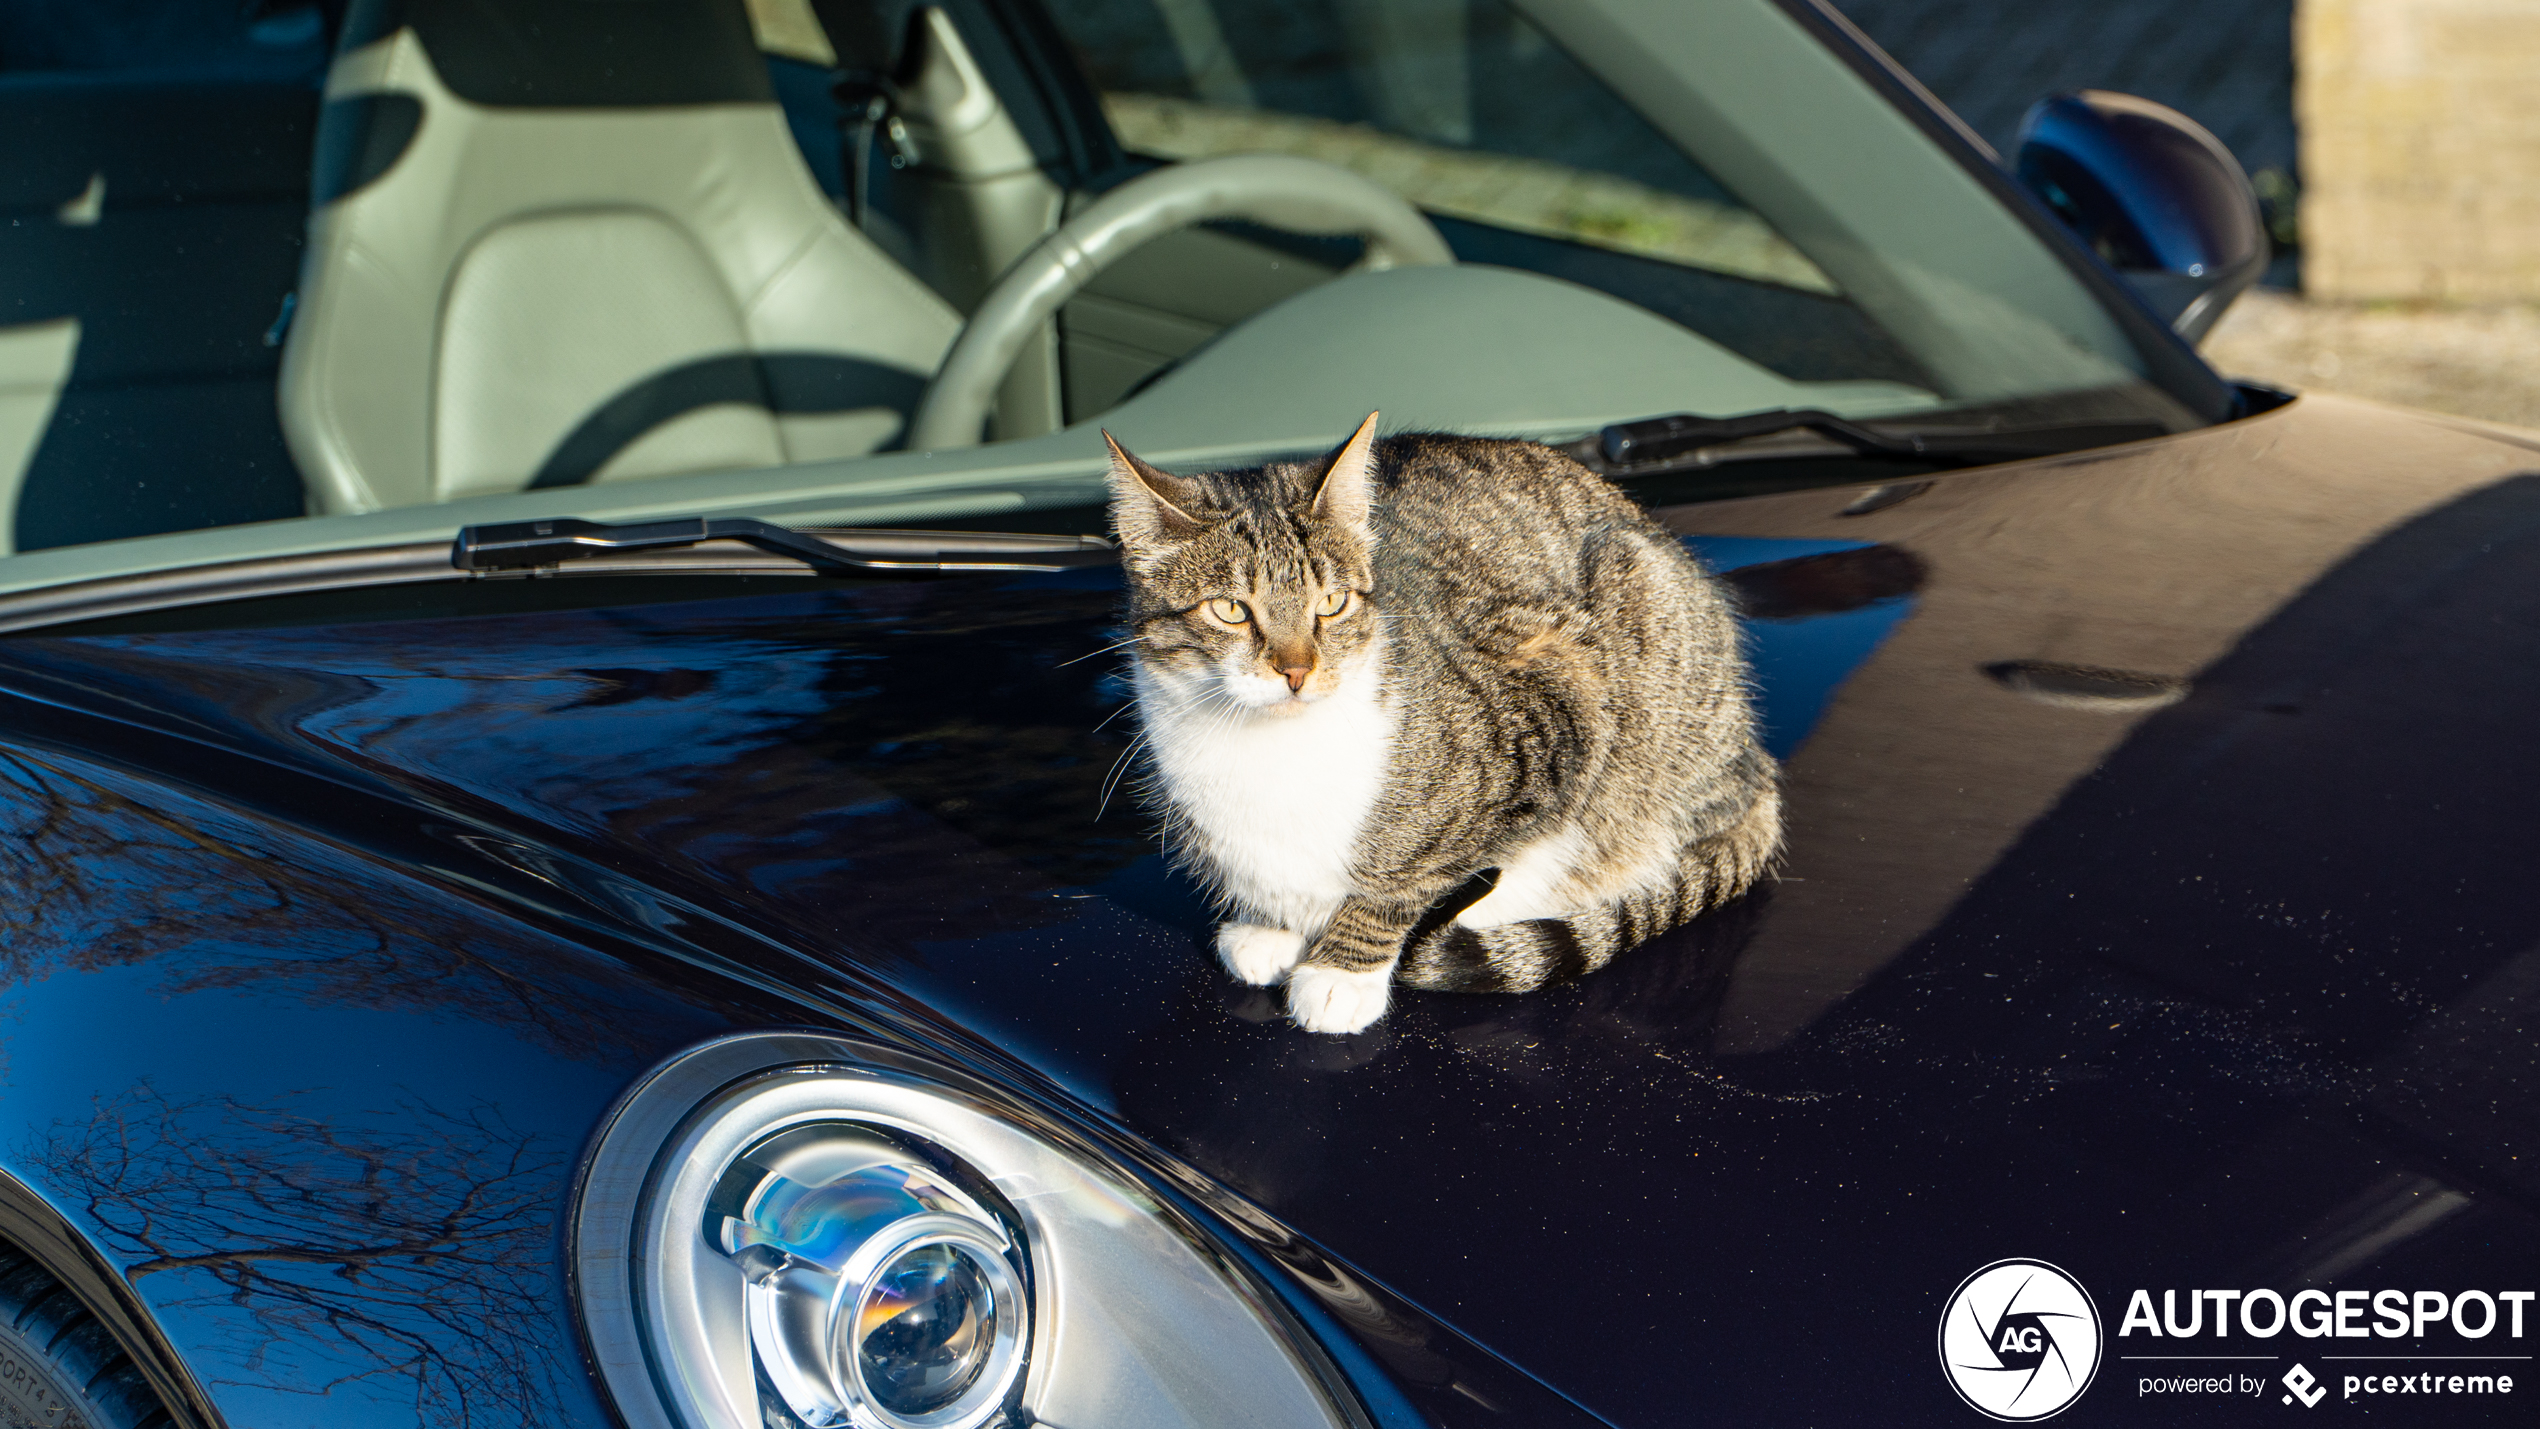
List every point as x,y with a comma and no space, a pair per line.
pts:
2019,1340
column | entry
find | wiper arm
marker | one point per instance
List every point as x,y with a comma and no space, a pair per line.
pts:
517,548
1684,441
527,545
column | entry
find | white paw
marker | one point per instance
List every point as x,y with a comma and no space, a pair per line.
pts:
1260,956
1322,999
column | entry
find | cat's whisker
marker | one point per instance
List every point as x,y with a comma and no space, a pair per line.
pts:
1111,778
1226,718
1107,649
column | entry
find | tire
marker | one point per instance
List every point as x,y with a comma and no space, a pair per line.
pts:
60,1365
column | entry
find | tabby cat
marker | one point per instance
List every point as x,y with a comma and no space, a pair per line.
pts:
1368,679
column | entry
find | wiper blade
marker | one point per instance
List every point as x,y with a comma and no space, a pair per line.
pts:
1685,441
530,545
516,549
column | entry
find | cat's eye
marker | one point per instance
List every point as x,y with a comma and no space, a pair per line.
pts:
1332,603
1231,612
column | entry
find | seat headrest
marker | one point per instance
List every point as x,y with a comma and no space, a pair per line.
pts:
577,54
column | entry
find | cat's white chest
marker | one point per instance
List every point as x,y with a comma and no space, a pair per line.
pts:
1278,802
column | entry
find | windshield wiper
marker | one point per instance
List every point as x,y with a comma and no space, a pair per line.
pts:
517,549
530,545
1684,441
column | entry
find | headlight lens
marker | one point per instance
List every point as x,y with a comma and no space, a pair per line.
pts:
925,1334
786,1226
878,1291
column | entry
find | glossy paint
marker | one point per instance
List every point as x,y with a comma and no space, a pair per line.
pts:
329,945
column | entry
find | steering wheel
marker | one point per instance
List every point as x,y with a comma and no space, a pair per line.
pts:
1276,190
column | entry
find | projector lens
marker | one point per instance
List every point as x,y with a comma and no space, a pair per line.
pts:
879,1292
925,1329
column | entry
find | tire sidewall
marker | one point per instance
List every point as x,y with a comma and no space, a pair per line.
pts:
34,1388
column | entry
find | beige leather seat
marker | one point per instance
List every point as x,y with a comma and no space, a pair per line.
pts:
558,241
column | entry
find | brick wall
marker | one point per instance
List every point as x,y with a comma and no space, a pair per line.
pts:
2420,124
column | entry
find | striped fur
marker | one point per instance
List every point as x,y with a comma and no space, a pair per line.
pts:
1523,956
1367,680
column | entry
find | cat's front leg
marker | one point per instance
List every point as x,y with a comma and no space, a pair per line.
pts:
1256,954
1345,981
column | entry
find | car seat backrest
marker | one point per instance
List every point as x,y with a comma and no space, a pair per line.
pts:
150,228
557,241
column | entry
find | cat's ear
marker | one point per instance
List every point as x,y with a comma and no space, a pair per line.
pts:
1348,484
1148,503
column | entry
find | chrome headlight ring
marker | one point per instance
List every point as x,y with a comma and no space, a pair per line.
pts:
780,1226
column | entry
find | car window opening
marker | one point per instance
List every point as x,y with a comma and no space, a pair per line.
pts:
477,275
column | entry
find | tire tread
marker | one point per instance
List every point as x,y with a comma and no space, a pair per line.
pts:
41,1314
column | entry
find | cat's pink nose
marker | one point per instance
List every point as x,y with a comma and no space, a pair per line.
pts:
1296,676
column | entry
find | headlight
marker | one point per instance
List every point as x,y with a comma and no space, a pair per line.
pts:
785,1227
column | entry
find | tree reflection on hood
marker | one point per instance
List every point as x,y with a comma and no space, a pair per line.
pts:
406,1246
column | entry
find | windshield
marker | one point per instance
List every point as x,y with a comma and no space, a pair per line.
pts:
273,286
1910,289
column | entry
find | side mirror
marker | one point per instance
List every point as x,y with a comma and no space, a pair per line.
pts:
2152,192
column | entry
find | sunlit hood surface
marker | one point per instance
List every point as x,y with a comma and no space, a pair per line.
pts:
2223,963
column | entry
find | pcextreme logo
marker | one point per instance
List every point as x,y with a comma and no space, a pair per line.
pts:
2019,1340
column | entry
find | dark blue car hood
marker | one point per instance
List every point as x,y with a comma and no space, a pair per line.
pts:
2159,906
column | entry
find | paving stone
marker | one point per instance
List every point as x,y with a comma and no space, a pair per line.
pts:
2470,361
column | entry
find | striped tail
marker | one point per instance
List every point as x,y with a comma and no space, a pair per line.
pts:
1520,957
